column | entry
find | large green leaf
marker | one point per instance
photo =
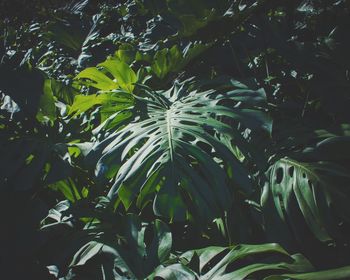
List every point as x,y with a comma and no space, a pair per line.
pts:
264,261
173,153
317,192
237,262
108,75
111,101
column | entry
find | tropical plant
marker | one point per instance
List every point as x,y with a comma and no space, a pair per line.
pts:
176,152
151,139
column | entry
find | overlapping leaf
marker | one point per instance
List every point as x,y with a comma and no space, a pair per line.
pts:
130,257
238,262
265,261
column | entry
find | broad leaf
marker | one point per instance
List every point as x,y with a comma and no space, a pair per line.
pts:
111,101
108,75
237,262
175,155
317,192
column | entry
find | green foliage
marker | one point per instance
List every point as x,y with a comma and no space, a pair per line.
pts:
47,108
172,60
177,141
316,189
238,262
132,257
154,139
123,76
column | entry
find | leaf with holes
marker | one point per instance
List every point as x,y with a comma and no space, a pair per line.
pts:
316,192
175,155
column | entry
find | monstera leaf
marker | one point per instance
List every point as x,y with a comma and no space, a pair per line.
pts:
110,102
114,96
315,194
265,261
108,75
237,262
174,154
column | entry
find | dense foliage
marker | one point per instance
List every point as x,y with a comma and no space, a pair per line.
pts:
163,139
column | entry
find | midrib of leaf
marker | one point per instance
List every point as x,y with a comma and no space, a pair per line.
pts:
170,134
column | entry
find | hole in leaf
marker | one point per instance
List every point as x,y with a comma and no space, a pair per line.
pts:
291,171
213,261
188,137
148,124
152,131
109,75
188,123
198,105
204,146
279,175
193,113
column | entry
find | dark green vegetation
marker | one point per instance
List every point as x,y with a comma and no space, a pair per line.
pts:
156,139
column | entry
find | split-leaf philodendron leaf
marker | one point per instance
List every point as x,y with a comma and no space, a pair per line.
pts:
174,157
